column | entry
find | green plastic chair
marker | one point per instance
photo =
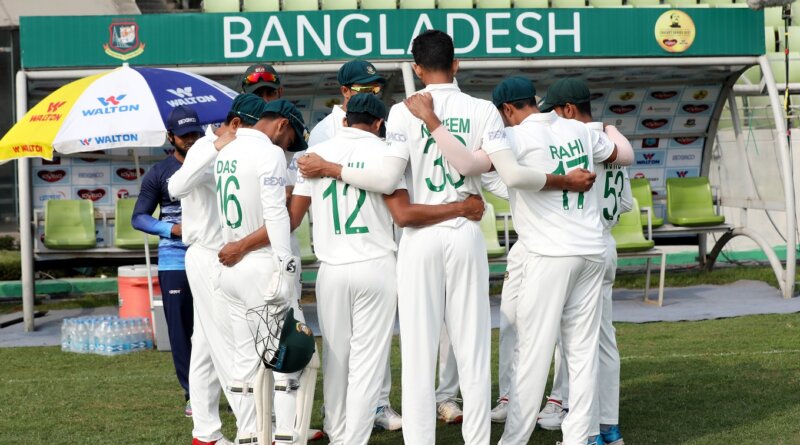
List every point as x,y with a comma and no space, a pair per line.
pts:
493,4
501,208
689,202
378,4
645,3
682,3
303,233
125,236
69,224
533,4
417,4
628,232
221,5
261,5
300,5
605,3
640,188
489,230
339,4
794,40
770,39
569,3
455,4
717,2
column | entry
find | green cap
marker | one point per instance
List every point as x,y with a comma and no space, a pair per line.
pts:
513,89
296,345
260,75
359,72
367,103
567,90
289,111
248,107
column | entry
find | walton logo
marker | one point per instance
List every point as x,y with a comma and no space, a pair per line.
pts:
186,97
110,139
681,173
111,105
649,159
649,156
52,113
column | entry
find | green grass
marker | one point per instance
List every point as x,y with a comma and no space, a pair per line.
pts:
710,382
84,302
698,277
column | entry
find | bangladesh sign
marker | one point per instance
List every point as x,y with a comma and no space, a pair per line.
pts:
188,39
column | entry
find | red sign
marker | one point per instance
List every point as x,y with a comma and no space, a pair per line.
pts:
51,175
94,195
129,174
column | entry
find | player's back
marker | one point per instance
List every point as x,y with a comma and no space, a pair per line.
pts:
612,187
239,171
349,224
556,222
474,122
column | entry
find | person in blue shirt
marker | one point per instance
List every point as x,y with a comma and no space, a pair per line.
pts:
184,129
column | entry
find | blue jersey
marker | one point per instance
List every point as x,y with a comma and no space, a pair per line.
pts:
171,251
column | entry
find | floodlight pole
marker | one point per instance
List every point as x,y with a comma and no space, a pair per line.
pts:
25,213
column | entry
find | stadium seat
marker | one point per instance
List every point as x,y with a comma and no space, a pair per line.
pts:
300,5
628,232
261,5
605,3
417,4
640,188
303,233
773,16
568,3
378,4
496,4
221,5
682,3
339,4
455,4
535,4
502,210
69,224
770,39
689,202
698,6
645,3
752,76
717,2
794,40
489,230
125,236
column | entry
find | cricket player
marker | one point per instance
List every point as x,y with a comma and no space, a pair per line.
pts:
262,80
563,238
570,98
184,129
442,269
251,179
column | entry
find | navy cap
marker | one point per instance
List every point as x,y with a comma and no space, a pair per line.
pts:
367,103
289,111
183,120
569,90
513,89
359,72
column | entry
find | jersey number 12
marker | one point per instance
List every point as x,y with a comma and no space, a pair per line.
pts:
330,191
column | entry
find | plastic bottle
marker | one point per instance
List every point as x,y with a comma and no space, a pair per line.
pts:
148,333
65,335
82,337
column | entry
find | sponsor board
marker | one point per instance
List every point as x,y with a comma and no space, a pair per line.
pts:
125,174
686,142
654,124
683,172
649,143
684,157
654,175
46,193
100,196
626,125
664,94
649,158
55,175
626,95
706,93
659,108
91,175
690,124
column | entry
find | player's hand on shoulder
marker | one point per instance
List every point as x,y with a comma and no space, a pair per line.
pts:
473,207
311,165
230,254
224,140
421,106
580,180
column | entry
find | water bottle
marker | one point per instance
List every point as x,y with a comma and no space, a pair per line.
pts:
81,336
148,334
65,335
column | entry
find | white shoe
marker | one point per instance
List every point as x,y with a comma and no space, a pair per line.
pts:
500,411
552,415
449,411
387,419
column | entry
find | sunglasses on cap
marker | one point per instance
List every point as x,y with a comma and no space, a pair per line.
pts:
368,89
263,76
242,113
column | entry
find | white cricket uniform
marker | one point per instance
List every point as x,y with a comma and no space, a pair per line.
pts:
561,277
212,339
614,191
356,285
251,192
443,272
326,129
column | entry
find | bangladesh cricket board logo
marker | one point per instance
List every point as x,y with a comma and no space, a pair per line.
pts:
123,40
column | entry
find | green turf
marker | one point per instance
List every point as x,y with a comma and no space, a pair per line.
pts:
709,382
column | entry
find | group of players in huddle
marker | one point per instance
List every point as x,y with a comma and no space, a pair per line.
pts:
246,185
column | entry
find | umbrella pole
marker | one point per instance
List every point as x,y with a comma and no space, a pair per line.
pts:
146,251
26,229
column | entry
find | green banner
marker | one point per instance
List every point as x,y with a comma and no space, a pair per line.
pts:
188,39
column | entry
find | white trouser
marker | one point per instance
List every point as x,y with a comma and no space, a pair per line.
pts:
608,357
558,294
357,304
508,310
448,370
212,342
443,278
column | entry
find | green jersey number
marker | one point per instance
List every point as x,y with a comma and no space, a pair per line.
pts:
563,166
613,189
439,163
227,196
348,225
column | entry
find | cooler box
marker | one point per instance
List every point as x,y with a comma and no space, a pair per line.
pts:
134,300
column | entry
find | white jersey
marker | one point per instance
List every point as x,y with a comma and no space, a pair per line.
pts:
475,122
250,178
193,184
350,224
613,187
555,222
